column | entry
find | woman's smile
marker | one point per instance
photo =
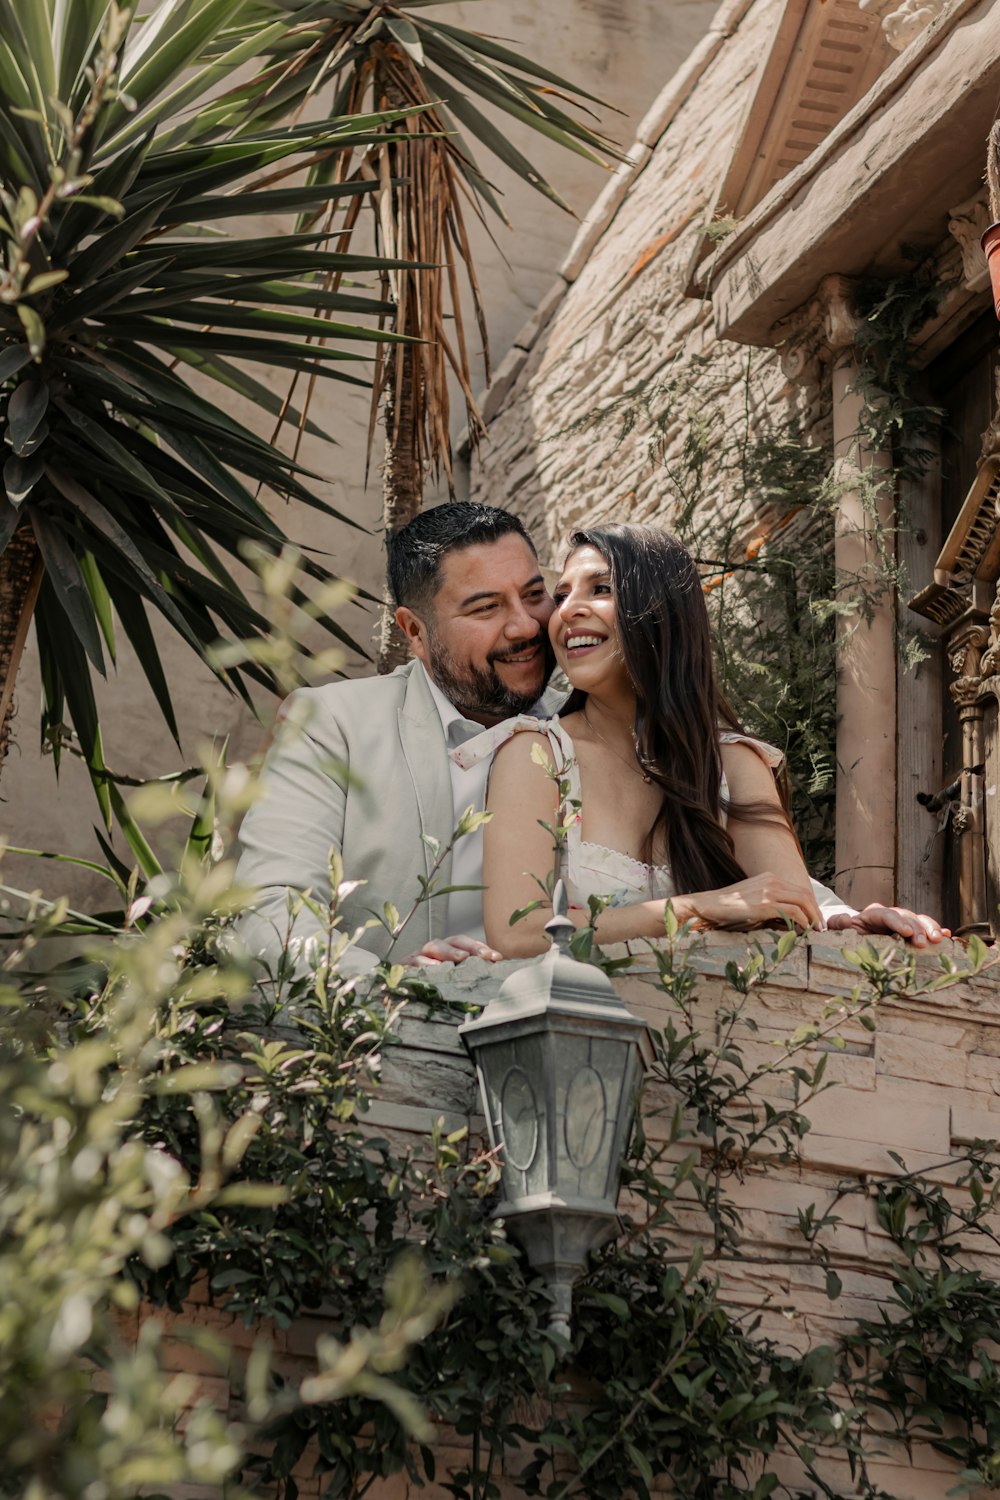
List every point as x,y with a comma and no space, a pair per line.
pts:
580,643
583,622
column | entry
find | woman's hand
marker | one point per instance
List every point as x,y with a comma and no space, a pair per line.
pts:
760,899
915,927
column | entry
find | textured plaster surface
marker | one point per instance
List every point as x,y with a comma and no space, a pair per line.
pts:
623,339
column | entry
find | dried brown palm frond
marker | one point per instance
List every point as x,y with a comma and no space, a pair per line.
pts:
429,180
993,170
372,56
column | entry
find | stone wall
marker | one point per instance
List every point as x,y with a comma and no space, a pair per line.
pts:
922,1084
621,53
617,323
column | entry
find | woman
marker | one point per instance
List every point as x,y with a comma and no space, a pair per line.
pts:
668,798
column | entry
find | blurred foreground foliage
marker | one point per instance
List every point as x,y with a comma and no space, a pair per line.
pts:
172,1126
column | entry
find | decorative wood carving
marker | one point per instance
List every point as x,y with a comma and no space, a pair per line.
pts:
903,22
821,60
965,600
966,225
969,564
991,437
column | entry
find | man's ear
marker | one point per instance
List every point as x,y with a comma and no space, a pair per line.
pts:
414,632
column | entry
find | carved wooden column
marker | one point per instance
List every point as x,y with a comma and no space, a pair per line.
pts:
965,651
964,601
820,348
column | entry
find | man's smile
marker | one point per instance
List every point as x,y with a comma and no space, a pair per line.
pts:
523,656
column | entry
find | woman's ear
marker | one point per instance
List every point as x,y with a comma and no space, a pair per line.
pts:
414,632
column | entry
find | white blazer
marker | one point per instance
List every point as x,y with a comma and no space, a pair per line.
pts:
361,767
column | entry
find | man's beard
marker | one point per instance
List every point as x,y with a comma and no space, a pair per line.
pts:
479,690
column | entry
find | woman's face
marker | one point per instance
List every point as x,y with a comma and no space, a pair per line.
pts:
583,627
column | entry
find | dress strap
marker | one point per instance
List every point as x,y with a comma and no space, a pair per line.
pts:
770,754
484,746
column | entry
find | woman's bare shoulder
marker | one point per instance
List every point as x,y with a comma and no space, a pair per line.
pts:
748,772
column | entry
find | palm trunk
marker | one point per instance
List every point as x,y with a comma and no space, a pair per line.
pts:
20,579
402,482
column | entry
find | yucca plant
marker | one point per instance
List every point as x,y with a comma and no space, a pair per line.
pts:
124,486
355,55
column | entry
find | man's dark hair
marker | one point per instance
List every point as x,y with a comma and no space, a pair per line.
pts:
418,549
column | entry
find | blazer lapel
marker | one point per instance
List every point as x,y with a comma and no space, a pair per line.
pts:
426,756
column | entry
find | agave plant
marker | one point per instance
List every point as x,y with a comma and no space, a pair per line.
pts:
125,488
382,57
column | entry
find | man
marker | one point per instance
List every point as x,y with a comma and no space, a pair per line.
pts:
362,767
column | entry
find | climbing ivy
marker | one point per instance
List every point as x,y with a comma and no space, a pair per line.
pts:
752,490
265,1187
308,1207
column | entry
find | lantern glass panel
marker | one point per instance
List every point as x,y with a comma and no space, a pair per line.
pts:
590,1072
513,1074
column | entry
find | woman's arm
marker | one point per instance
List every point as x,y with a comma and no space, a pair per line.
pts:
778,883
518,853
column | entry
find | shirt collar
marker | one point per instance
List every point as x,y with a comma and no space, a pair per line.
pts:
458,729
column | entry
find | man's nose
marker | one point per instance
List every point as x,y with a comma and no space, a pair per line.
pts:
521,623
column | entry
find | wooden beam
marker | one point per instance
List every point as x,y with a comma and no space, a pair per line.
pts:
882,181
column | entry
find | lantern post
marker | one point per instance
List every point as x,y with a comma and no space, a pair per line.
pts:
559,1059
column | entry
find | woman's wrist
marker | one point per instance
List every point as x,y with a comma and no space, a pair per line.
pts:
686,910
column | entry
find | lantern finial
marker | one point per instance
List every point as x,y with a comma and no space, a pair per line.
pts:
559,927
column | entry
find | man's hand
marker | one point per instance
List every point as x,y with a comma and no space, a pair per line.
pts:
451,950
896,920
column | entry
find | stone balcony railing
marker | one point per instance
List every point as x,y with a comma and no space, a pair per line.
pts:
923,1084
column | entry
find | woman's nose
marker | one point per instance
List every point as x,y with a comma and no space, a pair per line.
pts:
570,605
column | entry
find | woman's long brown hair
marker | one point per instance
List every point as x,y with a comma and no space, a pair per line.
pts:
666,643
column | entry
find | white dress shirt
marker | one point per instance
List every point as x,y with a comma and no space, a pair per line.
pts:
468,789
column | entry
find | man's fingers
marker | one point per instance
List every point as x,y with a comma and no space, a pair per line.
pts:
453,950
474,947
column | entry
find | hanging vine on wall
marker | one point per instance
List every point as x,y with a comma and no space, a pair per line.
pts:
752,491
246,1112
664,1378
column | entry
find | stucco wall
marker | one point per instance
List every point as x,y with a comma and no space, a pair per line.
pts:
622,52
623,326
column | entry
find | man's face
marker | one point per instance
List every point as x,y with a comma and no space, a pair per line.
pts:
484,642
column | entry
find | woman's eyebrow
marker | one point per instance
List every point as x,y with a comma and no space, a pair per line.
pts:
590,575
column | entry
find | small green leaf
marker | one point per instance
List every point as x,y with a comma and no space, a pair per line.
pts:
34,328
44,282
978,951
252,1195
13,358
20,475
408,37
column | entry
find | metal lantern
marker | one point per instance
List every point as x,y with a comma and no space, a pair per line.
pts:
559,1059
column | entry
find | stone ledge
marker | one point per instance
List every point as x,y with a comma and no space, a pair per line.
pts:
816,965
